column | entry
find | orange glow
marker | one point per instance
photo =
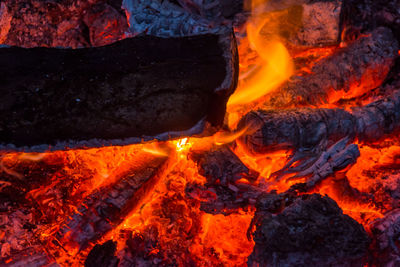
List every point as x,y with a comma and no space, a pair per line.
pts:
274,66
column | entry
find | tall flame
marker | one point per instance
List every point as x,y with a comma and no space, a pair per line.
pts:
275,65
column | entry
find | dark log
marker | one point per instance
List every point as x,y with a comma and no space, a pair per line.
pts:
135,89
107,206
350,71
222,165
311,231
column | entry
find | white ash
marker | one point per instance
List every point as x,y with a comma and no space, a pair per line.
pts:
166,19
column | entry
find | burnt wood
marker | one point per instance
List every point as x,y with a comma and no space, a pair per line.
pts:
351,71
311,231
107,206
138,88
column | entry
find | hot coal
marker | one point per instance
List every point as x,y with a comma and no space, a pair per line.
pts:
65,23
352,70
311,231
220,164
143,87
107,206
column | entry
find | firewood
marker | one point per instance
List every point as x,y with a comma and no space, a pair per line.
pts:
350,71
311,231
222,165
321,139
136,89
107,206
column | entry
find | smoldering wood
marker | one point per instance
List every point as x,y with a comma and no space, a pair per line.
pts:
144,87
311,231
361,66
107,206
222,165
321,139
386,233
33,256
224,199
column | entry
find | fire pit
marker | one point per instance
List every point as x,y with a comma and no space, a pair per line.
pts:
199,133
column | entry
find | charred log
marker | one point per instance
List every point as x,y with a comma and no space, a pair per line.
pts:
117,94
222,165
106,207
320,138
311,231
353,70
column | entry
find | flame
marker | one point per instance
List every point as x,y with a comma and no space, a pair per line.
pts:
274,67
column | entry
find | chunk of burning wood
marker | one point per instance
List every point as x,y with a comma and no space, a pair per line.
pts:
138,88
107,206
311,231
319,138
349,72
222,165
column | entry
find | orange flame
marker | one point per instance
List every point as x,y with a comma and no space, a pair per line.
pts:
275,62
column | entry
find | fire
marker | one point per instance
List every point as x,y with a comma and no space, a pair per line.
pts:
182,232
273,67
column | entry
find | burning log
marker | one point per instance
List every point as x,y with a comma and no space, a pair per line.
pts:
311,231
133,90
221,164
321,138
351,71
106,207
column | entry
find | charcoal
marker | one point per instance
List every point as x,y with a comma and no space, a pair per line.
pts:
102,255
65,23
136,89
32,257
222,165
107,206
143,250
349,72
311,231
386,232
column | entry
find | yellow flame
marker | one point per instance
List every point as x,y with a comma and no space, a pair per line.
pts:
156,149
276,64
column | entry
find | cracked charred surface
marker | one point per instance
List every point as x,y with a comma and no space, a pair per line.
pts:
107,206
222,165
311,231
349,72
143,86
321,139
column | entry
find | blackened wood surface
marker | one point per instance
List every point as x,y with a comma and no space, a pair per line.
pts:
349,72
143,86
309,129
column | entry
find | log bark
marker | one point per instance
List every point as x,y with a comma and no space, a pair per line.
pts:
349,72
107,206
135,89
